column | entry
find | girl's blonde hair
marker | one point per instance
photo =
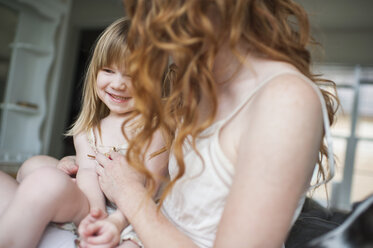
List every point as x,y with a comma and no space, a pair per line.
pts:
110,48
272,29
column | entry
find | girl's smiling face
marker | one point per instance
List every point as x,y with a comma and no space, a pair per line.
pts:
114,89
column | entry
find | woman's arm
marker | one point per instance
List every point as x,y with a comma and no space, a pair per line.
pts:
126,186
277,152
273,166
158,164
87,177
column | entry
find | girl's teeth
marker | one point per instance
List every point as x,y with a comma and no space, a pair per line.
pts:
120,97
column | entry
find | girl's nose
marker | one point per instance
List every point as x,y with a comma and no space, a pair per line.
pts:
119,83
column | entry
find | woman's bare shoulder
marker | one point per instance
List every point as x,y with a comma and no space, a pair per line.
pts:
289,91
286,100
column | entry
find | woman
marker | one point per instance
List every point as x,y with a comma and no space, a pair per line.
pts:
246,116
246,120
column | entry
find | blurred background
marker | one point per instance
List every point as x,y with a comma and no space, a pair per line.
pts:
44,46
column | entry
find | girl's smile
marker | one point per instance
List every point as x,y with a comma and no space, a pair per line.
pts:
119,99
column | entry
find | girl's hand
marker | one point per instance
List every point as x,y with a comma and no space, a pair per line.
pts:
102,233
93,216
95,230
68,165
117,177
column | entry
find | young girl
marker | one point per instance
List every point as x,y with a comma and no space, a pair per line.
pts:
249,120
47,194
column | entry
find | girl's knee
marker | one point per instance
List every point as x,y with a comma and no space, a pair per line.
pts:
47,182
51,190
34,163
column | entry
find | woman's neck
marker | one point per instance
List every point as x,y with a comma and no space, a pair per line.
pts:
227,66
233,80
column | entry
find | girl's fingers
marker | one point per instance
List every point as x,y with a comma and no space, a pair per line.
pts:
82,229
90,220
68,165
92,230
89,231
103,238
97,213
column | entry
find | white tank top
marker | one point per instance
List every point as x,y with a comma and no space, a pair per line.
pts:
102,148
196,202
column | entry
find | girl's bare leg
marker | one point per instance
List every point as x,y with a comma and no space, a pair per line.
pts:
47,194
8,187
34,163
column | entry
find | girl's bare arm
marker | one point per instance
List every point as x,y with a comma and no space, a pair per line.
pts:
86,177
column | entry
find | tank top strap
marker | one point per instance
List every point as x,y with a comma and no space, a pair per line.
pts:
326,122
247,99
92,139
96,147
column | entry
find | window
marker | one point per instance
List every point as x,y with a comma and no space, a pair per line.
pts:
352,134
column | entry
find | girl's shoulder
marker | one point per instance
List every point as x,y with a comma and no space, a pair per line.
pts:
80,140
84,135
80,136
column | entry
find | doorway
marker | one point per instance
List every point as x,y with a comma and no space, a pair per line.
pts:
87,40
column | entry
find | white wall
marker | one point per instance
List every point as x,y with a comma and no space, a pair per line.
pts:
344,28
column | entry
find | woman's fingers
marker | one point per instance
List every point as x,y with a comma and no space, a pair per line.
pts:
116,155
109,159
99,170
102,160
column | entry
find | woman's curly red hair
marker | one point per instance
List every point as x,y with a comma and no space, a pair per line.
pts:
184,29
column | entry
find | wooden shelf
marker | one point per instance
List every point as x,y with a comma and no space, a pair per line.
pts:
30,48
19,108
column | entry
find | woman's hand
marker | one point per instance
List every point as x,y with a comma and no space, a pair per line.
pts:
117,177
125,187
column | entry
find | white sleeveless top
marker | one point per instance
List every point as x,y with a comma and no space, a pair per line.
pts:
102,148
196,202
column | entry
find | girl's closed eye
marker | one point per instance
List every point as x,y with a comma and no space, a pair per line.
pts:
107,70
